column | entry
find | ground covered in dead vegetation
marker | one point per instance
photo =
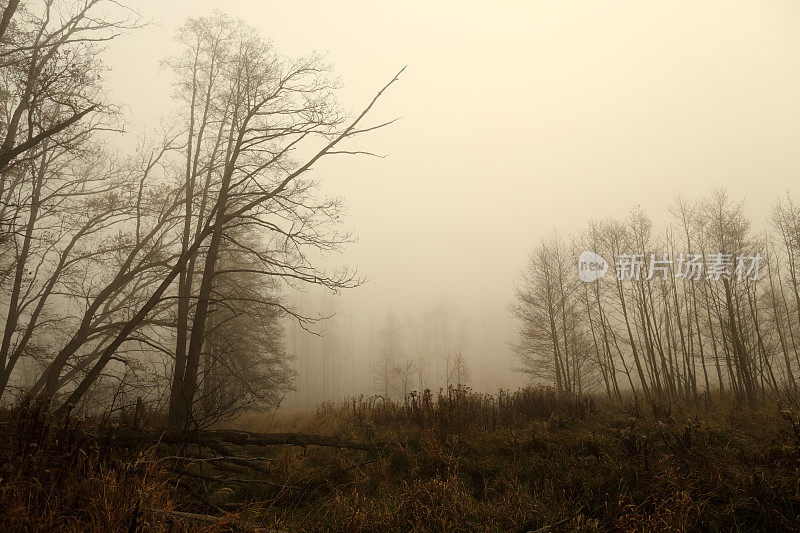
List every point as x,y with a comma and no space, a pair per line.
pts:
458,461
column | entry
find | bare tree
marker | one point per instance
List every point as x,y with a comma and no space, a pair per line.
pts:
50,71
264,106
552,337
256,174
460,375
388,368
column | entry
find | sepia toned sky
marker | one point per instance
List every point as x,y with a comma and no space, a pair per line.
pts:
517,118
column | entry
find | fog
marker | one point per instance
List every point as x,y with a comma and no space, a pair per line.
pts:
428,266
514,120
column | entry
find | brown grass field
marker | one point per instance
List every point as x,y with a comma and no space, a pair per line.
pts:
457,461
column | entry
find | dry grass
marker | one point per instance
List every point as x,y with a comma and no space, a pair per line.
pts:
458,461
515,462
57,475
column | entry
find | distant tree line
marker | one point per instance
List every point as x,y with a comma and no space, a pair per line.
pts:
428,352
682,327
392,356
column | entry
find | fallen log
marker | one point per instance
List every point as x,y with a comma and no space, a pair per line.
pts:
238,438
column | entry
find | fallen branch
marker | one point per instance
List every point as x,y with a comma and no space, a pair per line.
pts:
244,461
239,438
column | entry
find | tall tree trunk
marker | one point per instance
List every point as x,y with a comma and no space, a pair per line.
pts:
12,316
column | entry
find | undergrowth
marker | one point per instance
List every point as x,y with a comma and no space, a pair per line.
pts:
454,461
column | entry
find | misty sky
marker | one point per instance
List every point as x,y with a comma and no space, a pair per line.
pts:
518,118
